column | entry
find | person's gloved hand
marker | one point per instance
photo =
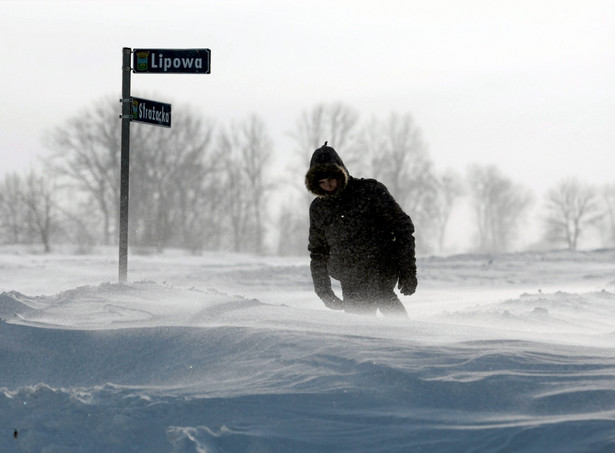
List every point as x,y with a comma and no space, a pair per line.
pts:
407,284
333,302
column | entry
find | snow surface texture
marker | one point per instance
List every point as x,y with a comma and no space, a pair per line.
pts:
234,353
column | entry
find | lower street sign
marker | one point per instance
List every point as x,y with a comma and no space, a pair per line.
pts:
150,112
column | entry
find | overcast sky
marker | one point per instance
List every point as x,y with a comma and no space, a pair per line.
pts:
528,85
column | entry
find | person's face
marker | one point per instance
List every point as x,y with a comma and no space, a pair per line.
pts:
328,184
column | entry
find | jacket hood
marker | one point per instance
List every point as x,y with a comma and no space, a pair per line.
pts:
326,163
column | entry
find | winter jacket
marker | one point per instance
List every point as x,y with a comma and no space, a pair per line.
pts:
356,231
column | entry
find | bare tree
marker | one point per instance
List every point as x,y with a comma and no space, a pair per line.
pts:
256,150
393,151
247,148
335,123
198,194
195,185
86,157
398,156
235,204
172,173
12,209
294,227
28,211
608,194
498,205
78,226
38,197
571,207
449,189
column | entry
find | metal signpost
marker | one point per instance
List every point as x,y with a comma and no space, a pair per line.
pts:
124,164
161,61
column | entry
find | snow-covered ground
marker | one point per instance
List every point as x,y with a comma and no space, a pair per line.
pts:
234,353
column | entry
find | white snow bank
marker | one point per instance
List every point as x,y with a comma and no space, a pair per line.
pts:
230,353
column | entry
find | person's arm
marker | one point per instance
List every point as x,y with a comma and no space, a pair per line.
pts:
319,256
402,227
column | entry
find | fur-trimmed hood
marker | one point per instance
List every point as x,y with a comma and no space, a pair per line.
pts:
326,163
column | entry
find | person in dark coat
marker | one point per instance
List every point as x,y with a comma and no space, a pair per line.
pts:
360,236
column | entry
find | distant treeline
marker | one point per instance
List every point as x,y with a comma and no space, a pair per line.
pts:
202,186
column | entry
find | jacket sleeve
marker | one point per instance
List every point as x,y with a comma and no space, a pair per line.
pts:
319,257
402,228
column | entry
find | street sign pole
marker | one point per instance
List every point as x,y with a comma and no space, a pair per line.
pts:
125,164
161,61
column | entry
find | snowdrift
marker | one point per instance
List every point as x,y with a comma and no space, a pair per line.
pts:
233,353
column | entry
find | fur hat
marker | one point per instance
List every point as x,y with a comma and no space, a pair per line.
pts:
325,163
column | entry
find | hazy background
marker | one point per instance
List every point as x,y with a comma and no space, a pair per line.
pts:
526,85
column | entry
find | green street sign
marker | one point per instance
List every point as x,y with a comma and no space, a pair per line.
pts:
150,112
171,61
